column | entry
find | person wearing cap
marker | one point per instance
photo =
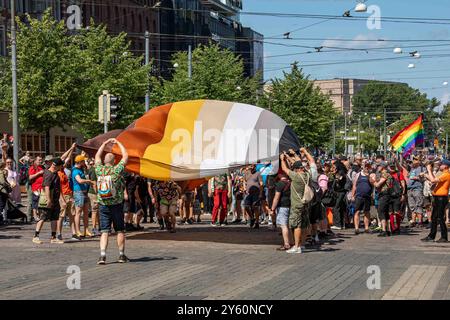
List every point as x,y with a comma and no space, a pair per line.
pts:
440,200
299,217
80,196
383,184
49,201
48,161
111,203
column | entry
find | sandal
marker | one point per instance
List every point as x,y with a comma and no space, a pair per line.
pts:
283,248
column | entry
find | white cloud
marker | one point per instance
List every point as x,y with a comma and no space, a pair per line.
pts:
359,42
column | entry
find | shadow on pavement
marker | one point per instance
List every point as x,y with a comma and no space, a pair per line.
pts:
149,259
229,234
2,237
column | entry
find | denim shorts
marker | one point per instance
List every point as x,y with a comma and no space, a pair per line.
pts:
112,214
283,216
80,199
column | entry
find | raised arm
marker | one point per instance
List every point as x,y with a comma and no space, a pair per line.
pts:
284,165
68,154
123,151
308,156
98,155
430,176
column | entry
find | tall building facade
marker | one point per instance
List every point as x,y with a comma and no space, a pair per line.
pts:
341,91
193,22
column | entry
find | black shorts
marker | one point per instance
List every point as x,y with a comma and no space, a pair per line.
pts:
270,196
35,202
384,202
141,206
395,205
130,205
315,213
362,204
239,196
50,214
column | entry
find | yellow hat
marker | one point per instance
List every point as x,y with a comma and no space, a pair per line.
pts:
80,158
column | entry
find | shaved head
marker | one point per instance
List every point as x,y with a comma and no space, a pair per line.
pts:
109,159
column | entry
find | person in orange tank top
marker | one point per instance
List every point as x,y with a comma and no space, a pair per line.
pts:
440,197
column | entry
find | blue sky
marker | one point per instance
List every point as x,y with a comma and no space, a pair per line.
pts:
430,70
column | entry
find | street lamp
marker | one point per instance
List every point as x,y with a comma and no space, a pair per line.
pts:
361,7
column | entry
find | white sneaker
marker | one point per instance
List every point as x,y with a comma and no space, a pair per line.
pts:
294,250
335,228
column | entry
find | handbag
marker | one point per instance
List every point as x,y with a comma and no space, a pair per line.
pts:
329,198
5,186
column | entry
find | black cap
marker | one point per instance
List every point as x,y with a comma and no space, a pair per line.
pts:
297,165
57,162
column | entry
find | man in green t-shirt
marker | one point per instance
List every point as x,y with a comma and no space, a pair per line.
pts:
110,192
299,175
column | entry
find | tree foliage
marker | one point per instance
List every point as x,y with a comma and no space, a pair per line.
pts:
217,74
60,75
397,97
308,111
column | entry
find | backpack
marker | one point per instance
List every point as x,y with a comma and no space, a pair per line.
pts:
396,189
105,186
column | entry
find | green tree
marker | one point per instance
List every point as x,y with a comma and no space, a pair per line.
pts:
376,96
217,74
61,75
308,111
107,64
398,97
445,116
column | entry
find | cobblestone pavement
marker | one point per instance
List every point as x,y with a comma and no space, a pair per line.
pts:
232,262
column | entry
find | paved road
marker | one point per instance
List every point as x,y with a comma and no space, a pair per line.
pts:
234,262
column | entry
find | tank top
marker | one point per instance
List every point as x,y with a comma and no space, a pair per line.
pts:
363,187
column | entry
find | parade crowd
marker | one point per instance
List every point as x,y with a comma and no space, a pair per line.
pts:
307,199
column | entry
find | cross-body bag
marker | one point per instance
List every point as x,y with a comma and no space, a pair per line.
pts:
308,194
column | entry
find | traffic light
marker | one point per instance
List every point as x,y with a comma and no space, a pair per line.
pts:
113,107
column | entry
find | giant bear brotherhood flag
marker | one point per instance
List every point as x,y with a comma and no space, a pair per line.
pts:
197,139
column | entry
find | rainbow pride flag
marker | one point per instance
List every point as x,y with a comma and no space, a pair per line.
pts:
405,141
